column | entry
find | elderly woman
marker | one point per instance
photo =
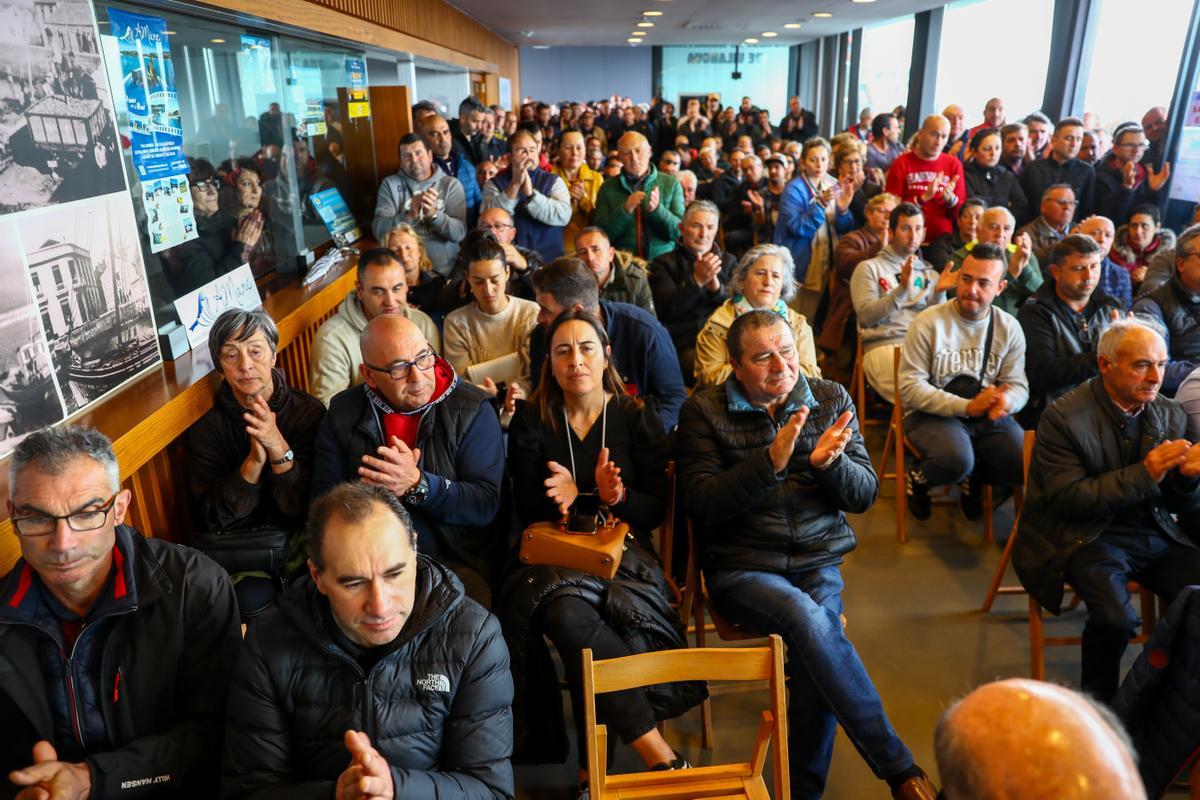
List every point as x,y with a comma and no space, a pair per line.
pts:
814,211
220,245
849,166
250,456
580,433
761,280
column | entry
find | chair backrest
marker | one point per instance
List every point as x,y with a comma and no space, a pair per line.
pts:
898,406
1027,453
695,664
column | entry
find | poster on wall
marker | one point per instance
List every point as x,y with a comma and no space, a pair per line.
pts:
148,77
85,266
29,398
357,105
199,309
1185,172
169,217
58,136
308,100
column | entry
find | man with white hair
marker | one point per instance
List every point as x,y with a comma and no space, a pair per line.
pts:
688,183
1110,478
985,746
640,208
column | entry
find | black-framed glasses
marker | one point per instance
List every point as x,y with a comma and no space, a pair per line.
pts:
79,521
399,370
495,226
211,185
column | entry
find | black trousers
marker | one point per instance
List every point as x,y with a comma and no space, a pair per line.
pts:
1099,572
574,624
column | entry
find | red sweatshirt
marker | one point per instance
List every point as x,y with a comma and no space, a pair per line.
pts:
909,177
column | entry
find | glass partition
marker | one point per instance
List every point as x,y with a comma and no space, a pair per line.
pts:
886,60
688,71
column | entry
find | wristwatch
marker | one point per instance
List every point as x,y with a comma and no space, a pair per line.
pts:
288,456
417,493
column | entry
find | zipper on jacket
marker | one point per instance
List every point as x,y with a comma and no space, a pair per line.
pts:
117,684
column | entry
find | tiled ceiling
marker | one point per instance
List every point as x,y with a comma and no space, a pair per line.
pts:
611,22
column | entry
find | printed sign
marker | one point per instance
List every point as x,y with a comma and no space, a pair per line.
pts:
198,310
357,106
148,74
336,215
169,217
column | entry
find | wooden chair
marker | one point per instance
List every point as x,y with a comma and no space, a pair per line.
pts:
696,602
1039,641
666,539
901,444
1018,502
724,781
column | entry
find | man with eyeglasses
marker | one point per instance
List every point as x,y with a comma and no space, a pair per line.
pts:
537,199
522,261
380,287
1176,304
1062,323
1122,181
1051,226
430,439
116,650
1062,165
1111,480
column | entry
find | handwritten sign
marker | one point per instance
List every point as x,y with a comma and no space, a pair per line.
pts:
199,309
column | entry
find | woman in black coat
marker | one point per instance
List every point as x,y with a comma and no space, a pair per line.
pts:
581,433
987,180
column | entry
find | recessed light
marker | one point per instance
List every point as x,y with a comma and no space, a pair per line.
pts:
645,24
639,33
651,13
791,26
634,41
217,41
751,40
540,46
822,15
769,34
862,1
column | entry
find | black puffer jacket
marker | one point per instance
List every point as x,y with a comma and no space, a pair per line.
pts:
169,635
1056,357
747,516
1081,476
218,444
437,707
998,187
682,306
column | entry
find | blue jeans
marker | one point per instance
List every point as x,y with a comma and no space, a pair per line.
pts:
827,682
953,448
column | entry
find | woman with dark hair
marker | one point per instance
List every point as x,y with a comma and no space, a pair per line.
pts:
581,434
220,246
989,181
246,203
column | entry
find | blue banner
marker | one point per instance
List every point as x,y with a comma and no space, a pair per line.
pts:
155,127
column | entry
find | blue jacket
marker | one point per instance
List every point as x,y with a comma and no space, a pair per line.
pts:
800,217
1115,282
642,352
457,166
1159,700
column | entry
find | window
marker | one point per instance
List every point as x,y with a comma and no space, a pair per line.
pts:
443,84
886,60
698,70
1136,58
1011,33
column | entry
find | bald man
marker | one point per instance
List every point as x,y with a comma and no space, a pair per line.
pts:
1035,741
640,209
931,179
1154,123
429,438
956,144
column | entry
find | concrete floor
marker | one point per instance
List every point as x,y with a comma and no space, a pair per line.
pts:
913,612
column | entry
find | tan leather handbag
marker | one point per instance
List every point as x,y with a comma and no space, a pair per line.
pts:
598,552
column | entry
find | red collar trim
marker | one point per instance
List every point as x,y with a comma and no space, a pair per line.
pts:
23,584
119,587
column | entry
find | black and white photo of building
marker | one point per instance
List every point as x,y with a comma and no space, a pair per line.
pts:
86,271
58,139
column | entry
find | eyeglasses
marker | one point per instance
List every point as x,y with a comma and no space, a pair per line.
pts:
79,521
495,226
1065,203
399,370
207,186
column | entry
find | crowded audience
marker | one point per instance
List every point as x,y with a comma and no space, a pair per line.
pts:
560,302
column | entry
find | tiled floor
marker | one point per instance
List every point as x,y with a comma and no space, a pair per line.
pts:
913,613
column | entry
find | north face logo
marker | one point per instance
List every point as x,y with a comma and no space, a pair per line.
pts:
434,683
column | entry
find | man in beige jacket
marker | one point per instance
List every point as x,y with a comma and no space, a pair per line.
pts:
380,288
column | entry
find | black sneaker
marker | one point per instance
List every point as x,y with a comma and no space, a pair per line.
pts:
970,498
678,762
920,504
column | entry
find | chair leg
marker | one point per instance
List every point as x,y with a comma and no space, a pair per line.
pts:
1037,646
997,578
901,493
989,524
706,725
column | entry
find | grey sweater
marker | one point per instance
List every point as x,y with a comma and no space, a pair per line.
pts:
941,345
442,232
883,306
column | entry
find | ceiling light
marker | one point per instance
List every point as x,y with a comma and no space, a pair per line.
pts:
645,24
651,13
540,46
217,41
791,26
751,40
822,15
634,41
639,33
862,1
769,34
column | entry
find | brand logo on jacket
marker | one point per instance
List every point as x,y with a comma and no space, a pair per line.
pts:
434,682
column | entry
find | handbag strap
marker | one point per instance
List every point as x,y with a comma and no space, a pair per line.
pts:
987,344
603,435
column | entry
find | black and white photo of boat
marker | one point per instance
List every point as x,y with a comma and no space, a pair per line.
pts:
85,267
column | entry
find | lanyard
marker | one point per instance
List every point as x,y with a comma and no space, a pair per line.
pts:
603,434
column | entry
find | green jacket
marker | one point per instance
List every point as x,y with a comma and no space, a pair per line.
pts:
659,228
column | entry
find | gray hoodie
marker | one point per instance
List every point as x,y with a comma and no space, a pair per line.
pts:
885,308
442,232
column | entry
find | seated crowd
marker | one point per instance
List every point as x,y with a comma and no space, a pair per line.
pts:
561,305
